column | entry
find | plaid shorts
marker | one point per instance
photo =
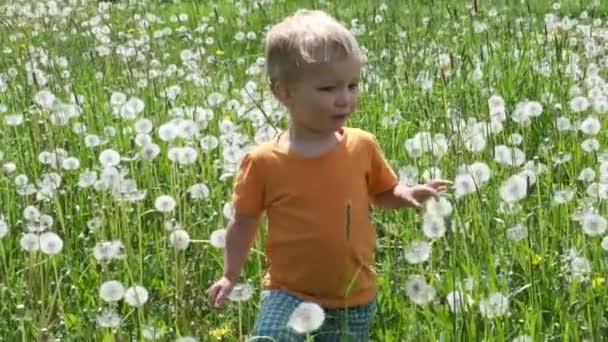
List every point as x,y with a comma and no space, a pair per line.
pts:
351,325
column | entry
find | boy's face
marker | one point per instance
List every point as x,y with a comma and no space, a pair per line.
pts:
323,96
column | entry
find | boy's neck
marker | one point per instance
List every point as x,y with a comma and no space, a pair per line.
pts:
304,136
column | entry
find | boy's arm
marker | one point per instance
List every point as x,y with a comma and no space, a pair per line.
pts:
402,196
392,198
240,233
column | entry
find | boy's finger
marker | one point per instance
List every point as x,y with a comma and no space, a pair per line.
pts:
220,297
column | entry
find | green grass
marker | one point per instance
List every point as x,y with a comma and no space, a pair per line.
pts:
58,295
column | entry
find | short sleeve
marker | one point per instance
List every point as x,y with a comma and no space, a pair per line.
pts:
381,176
248,190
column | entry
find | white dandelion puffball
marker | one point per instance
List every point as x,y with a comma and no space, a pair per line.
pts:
522,338
186,339
604,243
417,252
179,239
419,291
218,238
109,158
164,203
108,250
441,207
594,224
45,99
464,184
307,317
591,126
481,172
514,189
459,301
152,333
495,305
199,191
50,243
30,242
579,104
111,291
241,293
433,226
3,228
517,233
109,319
136,296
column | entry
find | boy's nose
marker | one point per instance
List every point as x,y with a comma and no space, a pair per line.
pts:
343,99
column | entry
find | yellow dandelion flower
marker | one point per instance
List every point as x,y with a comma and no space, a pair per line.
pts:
219,333
219,52
597,281
536,259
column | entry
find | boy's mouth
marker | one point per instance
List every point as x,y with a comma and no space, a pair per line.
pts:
340,116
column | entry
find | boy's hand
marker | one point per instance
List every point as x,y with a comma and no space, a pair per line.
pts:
416,195
220,290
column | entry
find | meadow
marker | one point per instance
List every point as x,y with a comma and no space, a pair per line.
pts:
122,124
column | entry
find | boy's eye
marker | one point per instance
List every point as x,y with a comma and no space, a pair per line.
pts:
328,88
353,86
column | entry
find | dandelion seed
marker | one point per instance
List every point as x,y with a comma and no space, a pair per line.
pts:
152,333
594,224
136,296
150,151
228,210
179,239
459,301
579,104
92,140
9,168
109,319
514,189
579,268
591,126
31,213
109,158
481,172
522,338
164,203
517,233
118,99
419,291
241,293
45,99
70,164
50,243
563,196
30,242
132,108
143,126
441,207
111,291
306,318
108,250
604,243
433,227
186,339
3,227
13,120
417,252
464,184
218,238
495,305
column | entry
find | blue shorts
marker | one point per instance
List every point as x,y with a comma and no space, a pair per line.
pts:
351,324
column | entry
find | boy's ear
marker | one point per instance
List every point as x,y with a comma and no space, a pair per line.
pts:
280,90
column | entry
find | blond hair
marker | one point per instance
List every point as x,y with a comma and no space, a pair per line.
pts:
307,37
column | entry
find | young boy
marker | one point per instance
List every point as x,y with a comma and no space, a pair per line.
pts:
315,182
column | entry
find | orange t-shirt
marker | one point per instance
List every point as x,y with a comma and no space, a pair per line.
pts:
311,253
